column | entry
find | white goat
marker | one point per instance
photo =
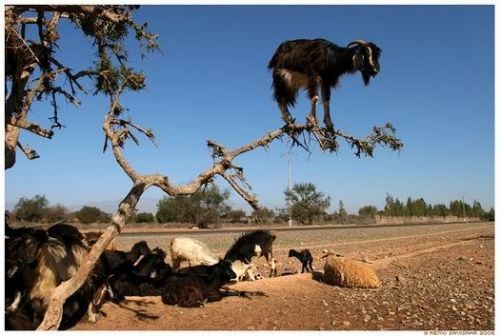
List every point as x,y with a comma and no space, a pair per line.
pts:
191,250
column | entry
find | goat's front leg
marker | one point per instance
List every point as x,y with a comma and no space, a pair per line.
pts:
312,89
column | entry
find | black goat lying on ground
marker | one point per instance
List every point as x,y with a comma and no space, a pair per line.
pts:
254,243
193,286
122,285
147,278
305,258
138,272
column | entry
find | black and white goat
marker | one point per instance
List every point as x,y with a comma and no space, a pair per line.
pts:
146,278
318,63
117,262
305,258
193,286
255,243
138,272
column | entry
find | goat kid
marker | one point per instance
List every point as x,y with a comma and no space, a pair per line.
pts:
305,257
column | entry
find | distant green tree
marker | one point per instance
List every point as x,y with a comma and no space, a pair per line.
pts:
460,209
88,215
441,210
477,209
368,211
213,201
200,207
430,210
393,207
419,207
490,215
263,215
175,209
56,213
144,217
306,203
282,215
235,216
31,209
342,212
389,204
408,209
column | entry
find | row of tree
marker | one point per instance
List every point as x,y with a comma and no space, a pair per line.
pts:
37,210
418,207
305,204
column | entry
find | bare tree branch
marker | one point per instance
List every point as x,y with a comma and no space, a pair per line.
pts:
30,153
33,128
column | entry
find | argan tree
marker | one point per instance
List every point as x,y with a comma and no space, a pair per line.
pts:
33,72
201,207
31,209
306,202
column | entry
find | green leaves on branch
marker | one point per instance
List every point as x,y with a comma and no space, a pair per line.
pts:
381,135
111,79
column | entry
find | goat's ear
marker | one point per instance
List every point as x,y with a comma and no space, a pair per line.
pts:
358,59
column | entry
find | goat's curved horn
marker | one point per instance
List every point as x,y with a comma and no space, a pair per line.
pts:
357,42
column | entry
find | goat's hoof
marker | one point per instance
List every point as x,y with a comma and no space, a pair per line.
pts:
94,317
310,121
329,127
289,121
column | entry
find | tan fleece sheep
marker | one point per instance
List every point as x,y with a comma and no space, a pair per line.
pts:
345,272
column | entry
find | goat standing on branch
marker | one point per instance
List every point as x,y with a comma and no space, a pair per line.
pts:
318,63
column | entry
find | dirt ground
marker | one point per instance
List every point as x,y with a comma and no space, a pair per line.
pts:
433,277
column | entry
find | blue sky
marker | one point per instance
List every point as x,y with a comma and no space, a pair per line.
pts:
436,86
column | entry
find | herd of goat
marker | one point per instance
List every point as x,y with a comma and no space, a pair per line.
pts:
37,261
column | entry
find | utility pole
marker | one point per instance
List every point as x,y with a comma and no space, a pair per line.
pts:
289,189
